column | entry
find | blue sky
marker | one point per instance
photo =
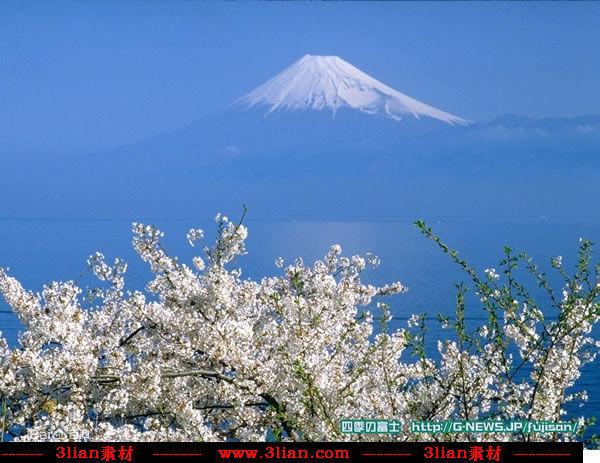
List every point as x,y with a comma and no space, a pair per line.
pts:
89,75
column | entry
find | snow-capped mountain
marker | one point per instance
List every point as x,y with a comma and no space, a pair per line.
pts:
329,82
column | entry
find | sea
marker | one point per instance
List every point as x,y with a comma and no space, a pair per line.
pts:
39,250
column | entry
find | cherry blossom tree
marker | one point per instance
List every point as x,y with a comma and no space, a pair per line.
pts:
203,354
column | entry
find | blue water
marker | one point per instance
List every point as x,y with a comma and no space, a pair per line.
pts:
41,250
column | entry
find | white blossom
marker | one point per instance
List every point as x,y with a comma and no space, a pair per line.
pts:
206,355
491,273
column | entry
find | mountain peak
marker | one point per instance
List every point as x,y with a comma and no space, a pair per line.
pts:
330,83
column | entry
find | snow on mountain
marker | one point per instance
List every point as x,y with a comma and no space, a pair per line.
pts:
329,82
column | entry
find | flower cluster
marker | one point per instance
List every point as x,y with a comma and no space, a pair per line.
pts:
203,354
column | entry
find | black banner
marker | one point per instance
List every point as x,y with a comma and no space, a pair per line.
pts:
325,452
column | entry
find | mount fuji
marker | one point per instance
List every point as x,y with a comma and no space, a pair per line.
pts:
315,108
324,139
329,82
